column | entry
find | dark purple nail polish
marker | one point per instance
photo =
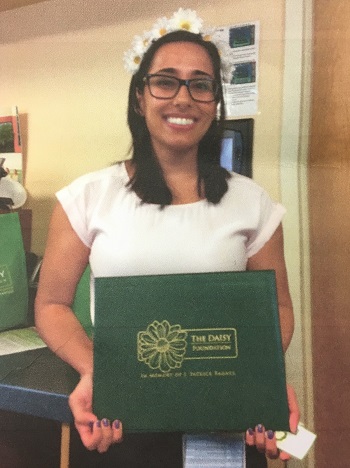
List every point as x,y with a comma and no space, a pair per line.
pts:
91,425
250,431
260,428
270,434
117,424
98,423
105,422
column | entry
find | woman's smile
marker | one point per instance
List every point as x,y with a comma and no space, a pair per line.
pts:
182,121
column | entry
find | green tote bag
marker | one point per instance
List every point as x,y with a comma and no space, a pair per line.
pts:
13,274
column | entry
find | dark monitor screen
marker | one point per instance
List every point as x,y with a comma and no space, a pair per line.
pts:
237,146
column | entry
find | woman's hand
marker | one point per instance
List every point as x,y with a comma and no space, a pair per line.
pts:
265,440
94,434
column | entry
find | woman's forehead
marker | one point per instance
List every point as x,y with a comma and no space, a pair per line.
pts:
182,55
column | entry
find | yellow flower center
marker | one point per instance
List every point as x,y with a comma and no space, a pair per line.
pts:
137,60
163,345
185,25
162,31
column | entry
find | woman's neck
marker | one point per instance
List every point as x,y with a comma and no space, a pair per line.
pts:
175,160
180,172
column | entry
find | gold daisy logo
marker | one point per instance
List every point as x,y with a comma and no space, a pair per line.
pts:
162,346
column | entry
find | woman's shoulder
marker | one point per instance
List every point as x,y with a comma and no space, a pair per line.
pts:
244,185
247,194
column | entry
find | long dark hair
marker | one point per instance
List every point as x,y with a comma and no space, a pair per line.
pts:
148,180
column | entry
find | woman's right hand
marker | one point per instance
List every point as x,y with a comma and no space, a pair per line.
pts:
94,433
265,441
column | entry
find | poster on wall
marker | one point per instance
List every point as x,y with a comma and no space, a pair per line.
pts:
241,94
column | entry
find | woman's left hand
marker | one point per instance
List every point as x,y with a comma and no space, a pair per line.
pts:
265,440
95,434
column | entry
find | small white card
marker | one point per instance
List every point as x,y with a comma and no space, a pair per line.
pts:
297,444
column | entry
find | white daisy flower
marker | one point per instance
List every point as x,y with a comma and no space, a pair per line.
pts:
225,52
186,19
132,61
139,45
160,27
227,71
208,34
148,38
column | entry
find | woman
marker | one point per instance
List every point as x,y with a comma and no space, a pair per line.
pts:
170,209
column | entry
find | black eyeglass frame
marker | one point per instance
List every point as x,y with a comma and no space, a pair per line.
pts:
186,83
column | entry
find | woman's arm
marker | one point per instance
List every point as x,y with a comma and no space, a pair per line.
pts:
271,257
65,260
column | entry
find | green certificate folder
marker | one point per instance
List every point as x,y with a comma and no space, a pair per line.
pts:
189,352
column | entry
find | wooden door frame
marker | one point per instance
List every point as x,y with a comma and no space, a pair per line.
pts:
294,196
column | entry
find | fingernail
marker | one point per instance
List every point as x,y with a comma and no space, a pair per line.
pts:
98,423
117,424
250,431
260,428
270,434
91,425
105,422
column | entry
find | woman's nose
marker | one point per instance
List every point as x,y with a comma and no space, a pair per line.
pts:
183,95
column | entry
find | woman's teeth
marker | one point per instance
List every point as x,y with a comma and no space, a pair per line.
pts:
180,121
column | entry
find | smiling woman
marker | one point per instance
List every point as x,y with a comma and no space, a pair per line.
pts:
181,124
170,209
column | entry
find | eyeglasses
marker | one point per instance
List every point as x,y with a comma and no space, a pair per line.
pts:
167,87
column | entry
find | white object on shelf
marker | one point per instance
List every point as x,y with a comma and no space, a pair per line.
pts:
12,189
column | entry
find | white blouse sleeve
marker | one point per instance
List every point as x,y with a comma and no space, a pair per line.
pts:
73,201
270,217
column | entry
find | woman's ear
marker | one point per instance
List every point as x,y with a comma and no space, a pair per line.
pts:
140,99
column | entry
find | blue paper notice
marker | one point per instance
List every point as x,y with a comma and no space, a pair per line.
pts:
213,451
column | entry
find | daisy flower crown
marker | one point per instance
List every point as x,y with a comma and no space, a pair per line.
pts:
183,19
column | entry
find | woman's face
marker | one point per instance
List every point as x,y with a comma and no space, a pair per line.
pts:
178,124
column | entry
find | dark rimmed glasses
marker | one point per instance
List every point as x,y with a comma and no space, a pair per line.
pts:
166,87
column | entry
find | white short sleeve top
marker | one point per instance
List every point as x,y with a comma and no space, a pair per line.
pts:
128,237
